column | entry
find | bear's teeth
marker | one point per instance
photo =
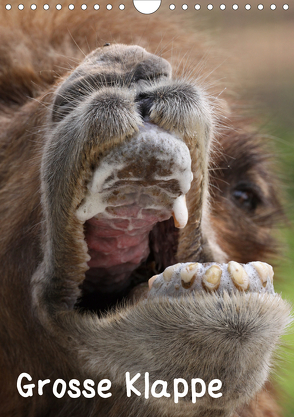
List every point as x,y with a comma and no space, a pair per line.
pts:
169,272
180,212
238,275
265,271
151,280
188,274
212,277
180,279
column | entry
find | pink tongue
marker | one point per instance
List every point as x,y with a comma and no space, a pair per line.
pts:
118,242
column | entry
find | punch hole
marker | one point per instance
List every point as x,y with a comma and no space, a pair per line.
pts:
260,7
71,6
286,6
147,6
8,7
96,7
172,7
273,7
33,6
222,6
185,7
58,6
46,7
20,7
210,6
84,7
109,7
197,7
121,7
235,7
247,6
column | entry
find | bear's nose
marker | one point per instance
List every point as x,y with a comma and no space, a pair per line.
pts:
152,68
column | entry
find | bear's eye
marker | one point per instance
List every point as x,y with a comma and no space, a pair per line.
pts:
246,197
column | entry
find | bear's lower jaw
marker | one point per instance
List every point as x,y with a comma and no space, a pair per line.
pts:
227,337
181,279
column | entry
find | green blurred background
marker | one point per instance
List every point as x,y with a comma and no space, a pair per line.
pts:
259,46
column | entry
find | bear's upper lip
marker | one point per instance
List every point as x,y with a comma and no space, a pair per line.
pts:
164,174
136,185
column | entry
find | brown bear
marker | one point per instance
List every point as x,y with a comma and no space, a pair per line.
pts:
119,166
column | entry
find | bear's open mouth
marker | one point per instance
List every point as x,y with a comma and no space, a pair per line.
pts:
127,212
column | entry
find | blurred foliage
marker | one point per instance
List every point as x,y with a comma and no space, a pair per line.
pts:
285,283
259,46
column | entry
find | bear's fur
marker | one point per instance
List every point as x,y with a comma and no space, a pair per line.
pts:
49,148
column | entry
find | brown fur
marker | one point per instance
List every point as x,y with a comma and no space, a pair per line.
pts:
39,331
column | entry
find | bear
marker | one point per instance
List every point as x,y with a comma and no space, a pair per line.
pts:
136,221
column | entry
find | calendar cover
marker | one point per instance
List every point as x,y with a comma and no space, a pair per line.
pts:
146,208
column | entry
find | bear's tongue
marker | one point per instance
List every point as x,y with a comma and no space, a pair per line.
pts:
138,184
118,244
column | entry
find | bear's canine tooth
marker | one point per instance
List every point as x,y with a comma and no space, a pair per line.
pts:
151,280
264,270
212,277
188,274
177,225
169,272
238,275
180,212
